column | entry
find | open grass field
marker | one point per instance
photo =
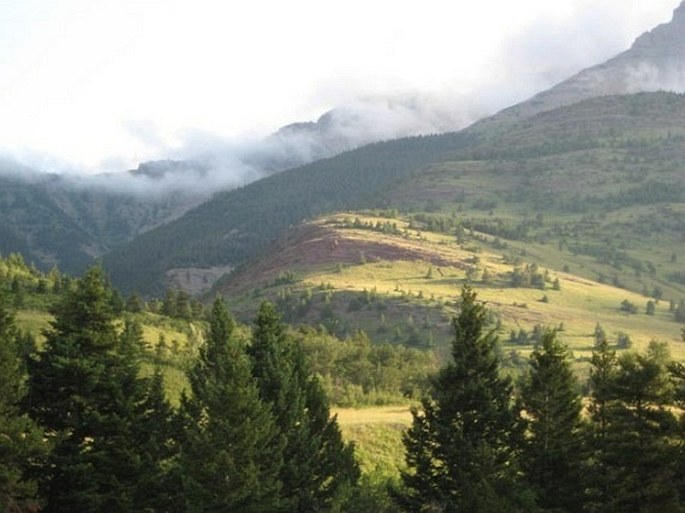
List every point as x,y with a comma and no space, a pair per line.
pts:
416,276
377,435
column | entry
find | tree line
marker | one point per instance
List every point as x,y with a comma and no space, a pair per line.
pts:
482,443
83,428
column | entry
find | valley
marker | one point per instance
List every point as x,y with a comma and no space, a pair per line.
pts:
355,327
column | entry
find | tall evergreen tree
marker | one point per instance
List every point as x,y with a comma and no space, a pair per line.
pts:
635,460
116,421
603,369
82,390
318,465
155,433
230,449
21,444
553,453
461,448
642,428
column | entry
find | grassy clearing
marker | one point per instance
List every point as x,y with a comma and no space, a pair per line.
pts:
178,345
418,290
377,435
33,321
579,305
389,415
175,380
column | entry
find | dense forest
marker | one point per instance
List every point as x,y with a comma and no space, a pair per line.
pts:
86,426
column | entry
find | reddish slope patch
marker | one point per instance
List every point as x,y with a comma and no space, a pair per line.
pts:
312,245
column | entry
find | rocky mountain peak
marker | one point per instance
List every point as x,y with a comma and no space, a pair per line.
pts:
655,62
664,41
679,15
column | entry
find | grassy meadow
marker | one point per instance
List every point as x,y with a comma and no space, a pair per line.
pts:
410,281
377,435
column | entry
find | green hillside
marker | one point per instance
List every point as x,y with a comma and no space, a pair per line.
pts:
399,282
236,225
603,178
354,370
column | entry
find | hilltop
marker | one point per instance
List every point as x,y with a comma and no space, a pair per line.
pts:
399,280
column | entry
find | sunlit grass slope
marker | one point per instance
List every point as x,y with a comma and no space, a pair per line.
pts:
345,267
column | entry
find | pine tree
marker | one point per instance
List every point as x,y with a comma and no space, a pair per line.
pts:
318,465
634,460
553,449
603,368
599,335
21,444
82,390
642,425
153,430
157,435
461,448
230,449
116,438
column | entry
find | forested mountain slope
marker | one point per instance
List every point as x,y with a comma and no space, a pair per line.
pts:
53,221
235,225
605,174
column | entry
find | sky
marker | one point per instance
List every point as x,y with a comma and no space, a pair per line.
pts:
93,86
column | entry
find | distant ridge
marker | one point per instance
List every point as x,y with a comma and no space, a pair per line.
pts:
655,62
234,226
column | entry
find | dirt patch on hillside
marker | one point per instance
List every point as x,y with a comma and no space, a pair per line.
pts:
314,245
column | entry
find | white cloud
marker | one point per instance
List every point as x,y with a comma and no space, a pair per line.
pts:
93,85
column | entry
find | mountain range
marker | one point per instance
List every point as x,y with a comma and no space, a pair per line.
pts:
655,62
235,226
550,146
69,220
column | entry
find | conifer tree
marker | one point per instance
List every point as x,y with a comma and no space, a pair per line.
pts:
634,459
461,448
603,368
552,455
642,426
116,443
318,465
157,434
21,444
82,390
230,449
154,431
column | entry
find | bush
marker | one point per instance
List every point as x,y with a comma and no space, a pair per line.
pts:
628,307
